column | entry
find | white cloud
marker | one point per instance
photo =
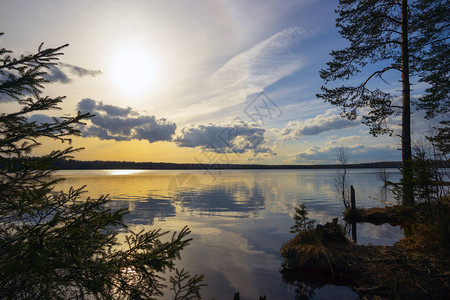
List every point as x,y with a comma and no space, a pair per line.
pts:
342,140
314,126
357,153
238,137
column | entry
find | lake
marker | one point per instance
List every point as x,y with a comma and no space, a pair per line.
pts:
238,218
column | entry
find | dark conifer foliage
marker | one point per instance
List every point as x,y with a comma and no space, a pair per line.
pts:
63,245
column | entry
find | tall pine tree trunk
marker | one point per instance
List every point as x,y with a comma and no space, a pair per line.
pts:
408,194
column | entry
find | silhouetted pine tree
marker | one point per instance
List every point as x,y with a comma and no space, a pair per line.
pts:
58,245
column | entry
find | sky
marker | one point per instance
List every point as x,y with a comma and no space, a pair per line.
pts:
197,81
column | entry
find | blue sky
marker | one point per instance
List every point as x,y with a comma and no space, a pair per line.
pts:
167,79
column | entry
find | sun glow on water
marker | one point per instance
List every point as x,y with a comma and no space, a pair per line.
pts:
122,172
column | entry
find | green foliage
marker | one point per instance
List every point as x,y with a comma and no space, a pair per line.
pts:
374,30
440,139
429,180
302,222
60,245
431,21
186,287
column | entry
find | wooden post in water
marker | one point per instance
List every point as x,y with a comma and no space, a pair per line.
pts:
352,198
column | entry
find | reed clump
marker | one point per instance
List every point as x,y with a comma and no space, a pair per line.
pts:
319,250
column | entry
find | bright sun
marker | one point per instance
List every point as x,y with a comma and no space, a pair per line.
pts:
133,71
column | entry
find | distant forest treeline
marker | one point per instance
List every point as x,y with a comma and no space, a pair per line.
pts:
100,165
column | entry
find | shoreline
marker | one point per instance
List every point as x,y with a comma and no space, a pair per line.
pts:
416,267
102,165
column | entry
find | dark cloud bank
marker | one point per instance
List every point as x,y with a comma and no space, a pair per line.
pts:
238,137
123,124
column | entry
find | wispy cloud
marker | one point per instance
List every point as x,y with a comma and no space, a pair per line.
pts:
123,124
249,73
314,126
55,74
58,73
79,71
261,65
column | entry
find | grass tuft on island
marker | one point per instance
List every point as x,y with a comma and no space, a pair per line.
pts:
421,213
416,267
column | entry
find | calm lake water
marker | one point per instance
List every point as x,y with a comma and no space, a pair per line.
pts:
238,218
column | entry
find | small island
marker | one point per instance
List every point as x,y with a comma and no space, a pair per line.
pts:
416,267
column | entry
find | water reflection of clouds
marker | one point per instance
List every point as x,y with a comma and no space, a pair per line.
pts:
238,221
235,194
230,198
237,255
385,234
145,211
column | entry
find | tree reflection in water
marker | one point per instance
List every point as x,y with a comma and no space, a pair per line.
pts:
307,284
